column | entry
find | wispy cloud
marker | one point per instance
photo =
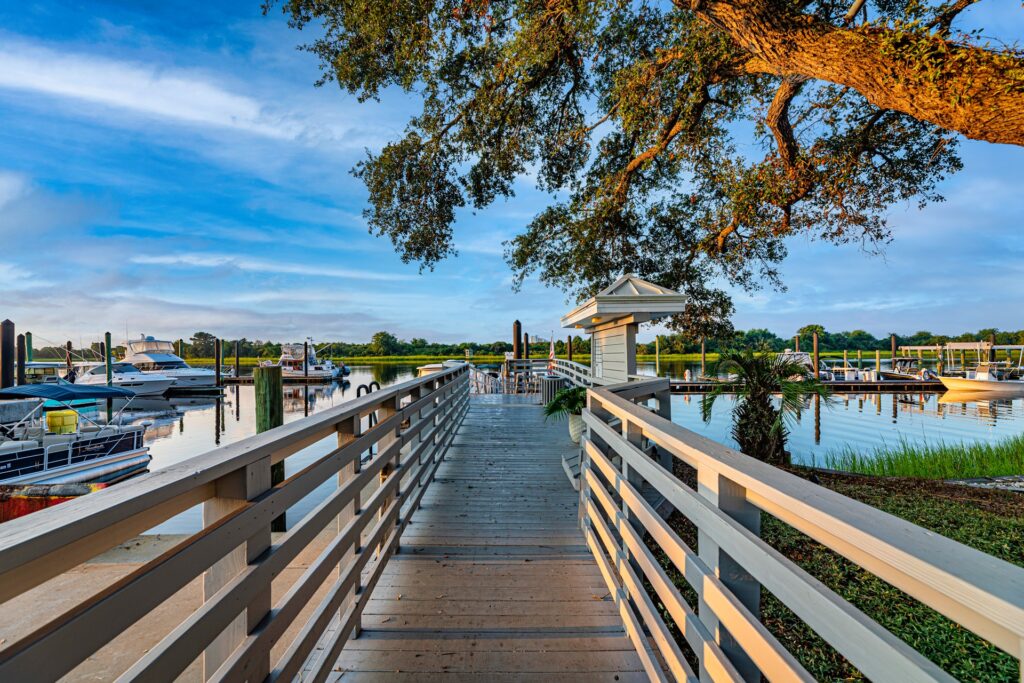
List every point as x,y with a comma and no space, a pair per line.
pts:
148,89
198,260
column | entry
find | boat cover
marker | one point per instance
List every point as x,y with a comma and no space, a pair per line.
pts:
65,392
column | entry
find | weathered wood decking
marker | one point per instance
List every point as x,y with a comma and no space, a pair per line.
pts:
494,580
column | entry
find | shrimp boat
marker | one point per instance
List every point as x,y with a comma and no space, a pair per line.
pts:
293,365
988,375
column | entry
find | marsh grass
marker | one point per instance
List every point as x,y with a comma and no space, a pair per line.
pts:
934,461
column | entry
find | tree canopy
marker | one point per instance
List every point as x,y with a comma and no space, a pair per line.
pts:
683,141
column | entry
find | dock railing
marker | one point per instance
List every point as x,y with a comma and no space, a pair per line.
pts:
575,373
236,626
621,473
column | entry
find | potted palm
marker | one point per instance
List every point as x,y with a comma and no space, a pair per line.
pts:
759,426
569,403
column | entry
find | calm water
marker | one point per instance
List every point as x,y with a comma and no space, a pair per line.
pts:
861,421
182,428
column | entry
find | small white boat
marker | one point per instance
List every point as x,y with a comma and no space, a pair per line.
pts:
44,372
989,377
125,376
431,368
157,357
804,358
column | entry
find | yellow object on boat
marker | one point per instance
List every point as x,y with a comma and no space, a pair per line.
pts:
62,421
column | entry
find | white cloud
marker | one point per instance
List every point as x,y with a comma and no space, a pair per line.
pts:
12,186
197,260
186,97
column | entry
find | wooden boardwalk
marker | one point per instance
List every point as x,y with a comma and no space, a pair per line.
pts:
494,581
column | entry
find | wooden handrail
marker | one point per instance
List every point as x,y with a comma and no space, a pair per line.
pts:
978,591
417,422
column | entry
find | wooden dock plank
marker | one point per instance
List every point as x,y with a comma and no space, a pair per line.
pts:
494,580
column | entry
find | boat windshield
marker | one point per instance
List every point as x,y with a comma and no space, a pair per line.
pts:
149,345
118,368
162,365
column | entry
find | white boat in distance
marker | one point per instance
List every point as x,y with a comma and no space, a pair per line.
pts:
988,376
293,365
157,357
125,376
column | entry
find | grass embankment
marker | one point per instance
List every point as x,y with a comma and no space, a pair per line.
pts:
935,461
990,521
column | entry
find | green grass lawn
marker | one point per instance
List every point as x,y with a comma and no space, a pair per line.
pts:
935,461
990,521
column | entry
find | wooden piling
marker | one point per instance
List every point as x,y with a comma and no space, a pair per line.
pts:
517,340
568,347
878,362
305,359
526,345
892,346
268,387
107,360
181,348
814,347
21,360
6,354
657,357
703,358
846,358
28,347
991,349
216,360
796,342
860,357
238,361
67,356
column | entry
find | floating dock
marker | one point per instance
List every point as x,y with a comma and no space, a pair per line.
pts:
836,387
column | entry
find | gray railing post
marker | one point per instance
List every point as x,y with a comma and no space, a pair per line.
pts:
348,431
731,499
233,490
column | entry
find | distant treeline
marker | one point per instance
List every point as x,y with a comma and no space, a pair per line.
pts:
201,344
856,340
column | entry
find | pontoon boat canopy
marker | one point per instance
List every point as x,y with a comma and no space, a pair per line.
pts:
65,392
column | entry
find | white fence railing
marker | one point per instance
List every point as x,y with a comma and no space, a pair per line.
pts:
731,563
237,624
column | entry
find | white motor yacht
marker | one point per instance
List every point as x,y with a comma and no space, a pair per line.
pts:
125,376
155,356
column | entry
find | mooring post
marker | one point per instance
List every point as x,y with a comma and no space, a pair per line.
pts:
305,359
21,360
238,362
992,348
181,348
814,347
703,357
796,342
860,357
107,359
268,387
517,340
878,362
28,347
657,357
846,358
216,360
6,354
892,348
67,356
526,345
568,347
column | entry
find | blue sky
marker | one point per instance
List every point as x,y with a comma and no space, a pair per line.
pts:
164,170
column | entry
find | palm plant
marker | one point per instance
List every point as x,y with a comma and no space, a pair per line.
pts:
758,426
566,402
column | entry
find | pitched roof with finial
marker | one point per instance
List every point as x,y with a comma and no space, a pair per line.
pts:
628,299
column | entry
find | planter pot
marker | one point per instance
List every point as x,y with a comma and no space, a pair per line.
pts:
576,427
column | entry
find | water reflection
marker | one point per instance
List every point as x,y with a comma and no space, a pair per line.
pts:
867,421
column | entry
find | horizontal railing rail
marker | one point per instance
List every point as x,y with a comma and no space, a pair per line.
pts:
577,374
235,627
731,564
